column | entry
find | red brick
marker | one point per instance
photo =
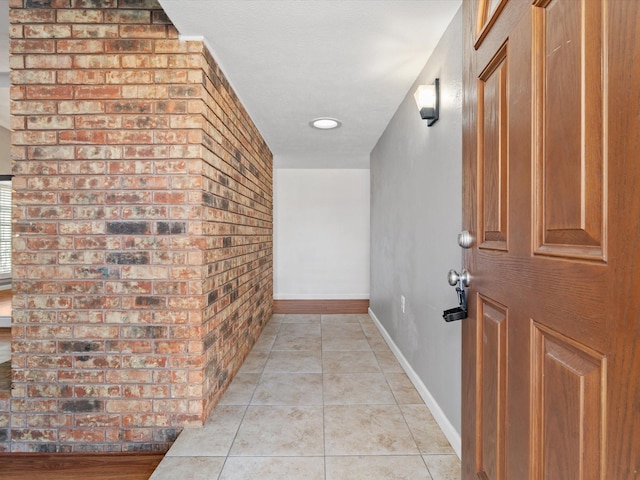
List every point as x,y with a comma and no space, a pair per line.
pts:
47,31
84,136
128,46
80,77
82,435
32,46
130,168
47,92
146,31
94,31
50,153
144,61
112,156
145,122
79,16
99,121
96,420
31,16
128,16
47,62
96,61
94,3
50,122
80,46
127,406
130,137
34,138
139,4
97,92
26,77
129,76
129,106
98,153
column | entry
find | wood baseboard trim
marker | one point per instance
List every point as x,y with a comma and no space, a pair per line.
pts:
320,306
79,466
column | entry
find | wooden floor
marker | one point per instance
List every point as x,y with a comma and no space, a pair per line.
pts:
78,467
5,303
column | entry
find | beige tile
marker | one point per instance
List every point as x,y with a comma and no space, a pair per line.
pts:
349,362
443,467
280,431
255,362
188,468
349,330
365,319
339,319
297,318
387,361
289,389
274,323
367,430
297,329
273,468
369,327
271,329
276,318
294,362
377,342
345,343
264,343
240,390
387,467
212,440
298,342
357,388
425,430
403,389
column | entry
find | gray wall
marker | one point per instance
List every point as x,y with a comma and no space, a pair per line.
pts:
416,214
5,151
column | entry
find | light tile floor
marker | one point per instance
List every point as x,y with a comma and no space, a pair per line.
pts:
319,397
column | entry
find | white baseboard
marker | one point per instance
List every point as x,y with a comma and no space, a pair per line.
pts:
443,422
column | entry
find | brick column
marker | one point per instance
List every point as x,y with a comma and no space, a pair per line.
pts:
143,222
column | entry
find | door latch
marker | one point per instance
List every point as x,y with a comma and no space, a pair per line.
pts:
460,281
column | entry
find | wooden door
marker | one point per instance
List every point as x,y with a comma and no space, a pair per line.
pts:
551,348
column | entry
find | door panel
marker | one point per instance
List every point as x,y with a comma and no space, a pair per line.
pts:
551,348
491,381
492,149
487,13
569,134
568,394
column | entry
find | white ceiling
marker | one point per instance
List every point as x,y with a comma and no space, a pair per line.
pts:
291,61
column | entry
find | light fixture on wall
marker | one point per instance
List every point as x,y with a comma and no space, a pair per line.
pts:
428,100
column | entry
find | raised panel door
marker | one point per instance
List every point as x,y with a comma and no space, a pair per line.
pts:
551,347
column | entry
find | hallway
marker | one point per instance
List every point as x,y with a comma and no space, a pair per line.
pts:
319,397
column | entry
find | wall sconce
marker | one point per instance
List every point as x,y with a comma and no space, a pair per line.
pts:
428,100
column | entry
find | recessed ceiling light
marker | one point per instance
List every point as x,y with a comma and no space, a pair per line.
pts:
325,123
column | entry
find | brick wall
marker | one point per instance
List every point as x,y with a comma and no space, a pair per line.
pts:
143,221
